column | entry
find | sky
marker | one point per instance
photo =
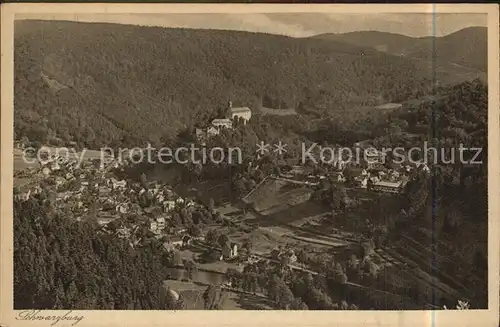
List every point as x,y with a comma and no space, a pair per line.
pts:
292,24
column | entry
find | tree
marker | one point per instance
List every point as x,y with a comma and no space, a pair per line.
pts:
176,258
318,300
214,298
302,256
340,275
372,268
280,293
223,240
380,235
191,268
248,245
368,248
211,204
194,230
180,304
338,198
298,304
143,180
212,237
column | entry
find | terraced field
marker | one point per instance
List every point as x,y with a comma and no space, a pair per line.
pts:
273,196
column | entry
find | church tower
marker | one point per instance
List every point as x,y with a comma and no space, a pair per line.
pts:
229,112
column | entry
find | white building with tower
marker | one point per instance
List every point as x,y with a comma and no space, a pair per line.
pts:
241,112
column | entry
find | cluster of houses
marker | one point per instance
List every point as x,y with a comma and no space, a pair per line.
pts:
218,124
371,174
89,185
157,212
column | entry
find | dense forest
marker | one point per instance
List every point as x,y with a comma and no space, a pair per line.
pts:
144,83
60,263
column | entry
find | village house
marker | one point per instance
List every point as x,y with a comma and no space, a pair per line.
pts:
63,196
160,222
219,123
361,181
422,166
119,184
19,145
59,181
289,254
373,158
123,232
160,198
153,226
168,193
176,241
200,134
54,166
37,190
297,170
24,196
179,230
286,175
168,205
151,193
121,208
103,191
395,174
186,240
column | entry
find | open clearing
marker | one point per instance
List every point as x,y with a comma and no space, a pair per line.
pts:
193,298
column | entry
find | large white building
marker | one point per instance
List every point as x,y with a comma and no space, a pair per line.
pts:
389,187
241,112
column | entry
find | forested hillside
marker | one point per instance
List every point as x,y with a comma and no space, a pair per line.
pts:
467,47
101,84
60,263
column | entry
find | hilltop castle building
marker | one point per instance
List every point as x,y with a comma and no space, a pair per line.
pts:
242,112
218,124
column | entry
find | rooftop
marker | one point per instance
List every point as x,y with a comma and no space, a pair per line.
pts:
240,109
222,121
389,184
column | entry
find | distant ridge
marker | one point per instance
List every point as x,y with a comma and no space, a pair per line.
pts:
466,47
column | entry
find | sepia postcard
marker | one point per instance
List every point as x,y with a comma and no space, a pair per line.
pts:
250,165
